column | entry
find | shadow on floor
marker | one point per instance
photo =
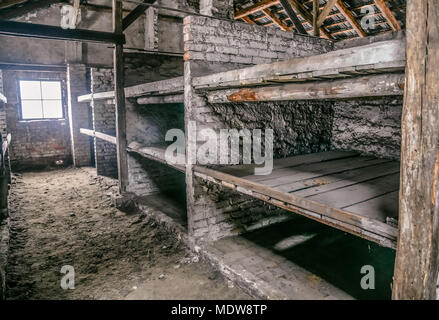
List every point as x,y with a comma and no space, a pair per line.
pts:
333,255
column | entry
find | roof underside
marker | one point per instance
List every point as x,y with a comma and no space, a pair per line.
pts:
342,22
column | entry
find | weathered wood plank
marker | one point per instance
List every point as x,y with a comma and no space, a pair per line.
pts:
376,53
369,86
99,135
178,98
416,267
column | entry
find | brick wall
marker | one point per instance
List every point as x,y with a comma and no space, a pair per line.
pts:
34,143
104,121
214,45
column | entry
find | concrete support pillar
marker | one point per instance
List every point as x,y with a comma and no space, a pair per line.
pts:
217,8
78,114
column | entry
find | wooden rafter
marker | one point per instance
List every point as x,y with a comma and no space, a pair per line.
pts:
325,12
276,20
264,4
293,17
387,13
350,18
248,20
300,8
315,16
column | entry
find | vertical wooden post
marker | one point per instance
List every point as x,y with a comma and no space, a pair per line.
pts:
417,256
119,90
315,17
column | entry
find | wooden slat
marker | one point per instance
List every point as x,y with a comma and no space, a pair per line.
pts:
179,98
378,208
293,17
99,135
352,222
156,153
264,4
388,15
380,52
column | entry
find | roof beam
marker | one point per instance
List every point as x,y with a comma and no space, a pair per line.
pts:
31,30
293,17
264,4
300,8
387,13
315,16
350,18
135,14
325,12
276,20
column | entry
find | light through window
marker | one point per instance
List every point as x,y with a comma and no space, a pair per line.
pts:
41,100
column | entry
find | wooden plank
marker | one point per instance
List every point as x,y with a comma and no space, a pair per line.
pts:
293,17
416,267
369,86
378,208
387,13
325,12
314,170
178,98
350,18
333,181
248,169
359,192
380,52
349,219
156,153
119,93
300,8
99,135
264,4
162,87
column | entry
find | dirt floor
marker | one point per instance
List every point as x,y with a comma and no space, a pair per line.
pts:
64,217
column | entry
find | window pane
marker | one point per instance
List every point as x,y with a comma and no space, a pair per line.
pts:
51,90
31,109
30,90
52,109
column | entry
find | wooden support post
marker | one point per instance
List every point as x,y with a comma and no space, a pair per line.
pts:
315,16
417,256
119,89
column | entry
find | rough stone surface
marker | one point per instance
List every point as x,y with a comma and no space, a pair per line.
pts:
372,126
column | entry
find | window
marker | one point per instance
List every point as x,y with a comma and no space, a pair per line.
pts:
41,100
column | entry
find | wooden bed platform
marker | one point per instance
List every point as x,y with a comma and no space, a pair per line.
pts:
354,193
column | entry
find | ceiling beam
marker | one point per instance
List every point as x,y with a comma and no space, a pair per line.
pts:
135,14
325,12
300,8
293,17
315,16
264,4
39,31
350,18
276,20
387,13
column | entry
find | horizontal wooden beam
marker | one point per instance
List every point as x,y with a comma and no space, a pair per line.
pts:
98,135
385,56
178,98
264,4
158,88
369,86
157,154
39,31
